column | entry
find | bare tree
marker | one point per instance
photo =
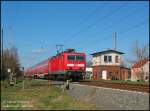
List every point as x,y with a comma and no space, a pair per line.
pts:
140,52
10,60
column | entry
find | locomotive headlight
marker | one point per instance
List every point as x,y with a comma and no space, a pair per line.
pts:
70,65
80,65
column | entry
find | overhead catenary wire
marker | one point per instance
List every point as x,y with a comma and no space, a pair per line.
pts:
136,26
84,20
108,37
95,22
80,33
107,28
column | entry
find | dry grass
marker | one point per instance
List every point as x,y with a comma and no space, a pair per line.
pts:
38,95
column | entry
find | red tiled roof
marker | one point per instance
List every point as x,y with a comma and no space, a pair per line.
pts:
139,63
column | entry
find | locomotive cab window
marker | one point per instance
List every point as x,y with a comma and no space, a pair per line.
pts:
79,58
71,57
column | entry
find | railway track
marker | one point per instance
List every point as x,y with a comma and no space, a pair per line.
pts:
123,86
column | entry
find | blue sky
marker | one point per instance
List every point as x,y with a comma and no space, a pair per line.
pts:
86,26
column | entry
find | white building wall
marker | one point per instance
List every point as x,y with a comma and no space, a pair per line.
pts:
146,67
133,75
89,69
113,59
99,60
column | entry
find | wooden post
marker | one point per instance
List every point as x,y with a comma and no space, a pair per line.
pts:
23,85
67,85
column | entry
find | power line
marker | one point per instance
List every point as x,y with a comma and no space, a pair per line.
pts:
95,22
112,25
10,41
136,26
86,18
129,29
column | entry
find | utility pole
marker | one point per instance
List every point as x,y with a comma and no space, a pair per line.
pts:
23,78
115,35
10,41
2,50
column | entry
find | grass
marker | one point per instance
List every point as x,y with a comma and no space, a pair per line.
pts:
38,95
120,81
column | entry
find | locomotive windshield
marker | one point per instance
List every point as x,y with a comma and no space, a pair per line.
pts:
77,57
71,57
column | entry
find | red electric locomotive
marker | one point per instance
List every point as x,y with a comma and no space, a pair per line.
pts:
65,65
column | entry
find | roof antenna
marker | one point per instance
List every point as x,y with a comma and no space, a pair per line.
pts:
115,41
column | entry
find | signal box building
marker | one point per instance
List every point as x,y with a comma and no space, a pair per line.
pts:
107,65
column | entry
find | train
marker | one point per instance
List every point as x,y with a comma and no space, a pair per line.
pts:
65,65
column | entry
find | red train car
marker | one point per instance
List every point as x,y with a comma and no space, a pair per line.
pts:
65,65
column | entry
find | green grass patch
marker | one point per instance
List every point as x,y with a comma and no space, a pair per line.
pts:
38,95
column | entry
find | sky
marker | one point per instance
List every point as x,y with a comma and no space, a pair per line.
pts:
36,27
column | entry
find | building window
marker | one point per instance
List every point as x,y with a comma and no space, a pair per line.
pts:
107,59
116,59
